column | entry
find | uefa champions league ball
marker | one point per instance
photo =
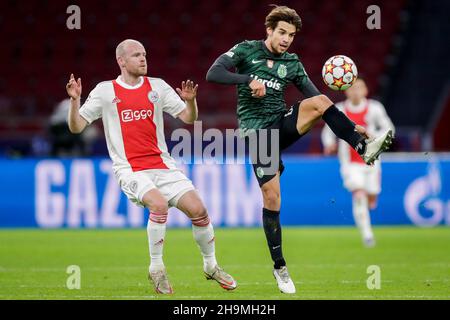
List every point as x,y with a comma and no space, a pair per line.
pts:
339,72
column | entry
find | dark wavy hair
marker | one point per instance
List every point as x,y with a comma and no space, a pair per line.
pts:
283,13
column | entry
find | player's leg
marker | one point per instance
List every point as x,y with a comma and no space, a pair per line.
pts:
202,228
373,201
182,195
156,232
355,181
373,185
373,189
362,216
140,189
314,108
269,183
203,231
271,195
156,227
272,229
311,110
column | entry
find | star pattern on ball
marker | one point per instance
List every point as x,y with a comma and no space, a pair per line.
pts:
338,82
339,72
347,67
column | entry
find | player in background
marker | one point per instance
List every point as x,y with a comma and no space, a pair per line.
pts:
131,108
263,70
363,181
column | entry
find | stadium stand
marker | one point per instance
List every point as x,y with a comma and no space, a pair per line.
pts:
182,39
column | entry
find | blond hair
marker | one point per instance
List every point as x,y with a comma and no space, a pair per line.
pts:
120,50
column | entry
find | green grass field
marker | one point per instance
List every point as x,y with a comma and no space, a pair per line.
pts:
325,263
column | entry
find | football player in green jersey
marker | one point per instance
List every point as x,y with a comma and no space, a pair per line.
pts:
264,68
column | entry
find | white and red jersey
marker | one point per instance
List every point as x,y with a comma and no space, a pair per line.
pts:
133,121
368,113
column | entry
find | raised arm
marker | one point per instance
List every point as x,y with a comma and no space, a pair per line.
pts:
188,93
308,89
76,122
304,84
382,119
219,73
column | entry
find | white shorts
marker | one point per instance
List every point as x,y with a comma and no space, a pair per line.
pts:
172,183
360,176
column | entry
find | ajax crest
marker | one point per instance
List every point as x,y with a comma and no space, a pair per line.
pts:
153,96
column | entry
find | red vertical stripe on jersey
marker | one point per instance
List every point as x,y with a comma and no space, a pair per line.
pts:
357,118
136,114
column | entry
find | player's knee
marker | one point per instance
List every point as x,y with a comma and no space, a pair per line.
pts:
198,210
359,194
159,206
373,202
318,104
199,216
322,101
272,198
155,202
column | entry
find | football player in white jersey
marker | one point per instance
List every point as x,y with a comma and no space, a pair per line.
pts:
363,181
131,108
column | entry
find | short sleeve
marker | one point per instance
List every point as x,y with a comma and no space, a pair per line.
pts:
171,101
91,110
381,117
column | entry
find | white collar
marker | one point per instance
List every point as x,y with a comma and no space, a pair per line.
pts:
356,107
127,86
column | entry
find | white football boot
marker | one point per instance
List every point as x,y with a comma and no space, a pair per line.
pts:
369,242
374,147
160,281
284,281
221,277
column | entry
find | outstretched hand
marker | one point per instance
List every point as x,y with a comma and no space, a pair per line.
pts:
188,91
73,88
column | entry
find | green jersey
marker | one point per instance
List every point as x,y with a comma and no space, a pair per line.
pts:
275,72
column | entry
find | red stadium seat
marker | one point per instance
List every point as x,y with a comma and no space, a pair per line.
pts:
43,51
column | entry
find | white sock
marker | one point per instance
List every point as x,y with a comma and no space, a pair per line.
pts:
204,236
156,233
361,214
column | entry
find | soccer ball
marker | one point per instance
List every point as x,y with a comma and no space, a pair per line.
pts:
339,72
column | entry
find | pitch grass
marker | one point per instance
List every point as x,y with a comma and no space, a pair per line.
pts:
325,263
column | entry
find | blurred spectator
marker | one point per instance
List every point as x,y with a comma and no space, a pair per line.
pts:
63,142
